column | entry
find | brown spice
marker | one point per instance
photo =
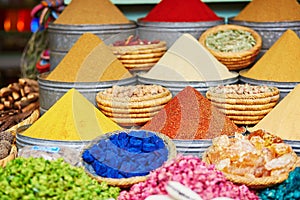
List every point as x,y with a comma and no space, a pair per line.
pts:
270,11
91,12
280,63
89,60
189,115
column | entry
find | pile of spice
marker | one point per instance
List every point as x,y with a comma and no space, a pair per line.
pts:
89,60
189,115
37,178
270,11
289,189
188,60
135,153
181,11
280,63
6,141
91,12
72,117
284,119
193,173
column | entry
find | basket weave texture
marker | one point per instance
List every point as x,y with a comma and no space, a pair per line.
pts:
12,155
127,182
29,120
234,60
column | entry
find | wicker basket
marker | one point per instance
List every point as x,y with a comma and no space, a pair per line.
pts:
234,60
29,120
12,155
255,183
127,182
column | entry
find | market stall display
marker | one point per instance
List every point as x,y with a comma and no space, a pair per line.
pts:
138,55
8,150
244,104
136,153
270,18
235,46
169,19
132,105
258,160
103,19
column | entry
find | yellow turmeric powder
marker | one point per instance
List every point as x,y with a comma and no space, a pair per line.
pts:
71,118
270,11
280,63
89,60
91,12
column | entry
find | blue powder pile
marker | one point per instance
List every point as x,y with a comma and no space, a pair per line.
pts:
289,189
125,155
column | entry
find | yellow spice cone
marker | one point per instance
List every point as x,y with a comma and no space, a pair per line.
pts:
72,117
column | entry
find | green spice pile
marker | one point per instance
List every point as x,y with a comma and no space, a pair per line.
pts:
230,41
37,178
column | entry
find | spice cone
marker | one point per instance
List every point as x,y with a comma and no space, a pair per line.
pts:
80,12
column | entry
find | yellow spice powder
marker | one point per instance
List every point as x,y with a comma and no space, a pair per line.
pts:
284,119
91,12
89,60
270,11
71,118
280,63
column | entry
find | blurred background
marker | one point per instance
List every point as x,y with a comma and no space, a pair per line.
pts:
15,32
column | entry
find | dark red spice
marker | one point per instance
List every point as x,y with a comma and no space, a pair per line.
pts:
189,115
181,11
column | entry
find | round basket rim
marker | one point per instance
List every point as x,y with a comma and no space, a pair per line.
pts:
12,155
250,52
127,182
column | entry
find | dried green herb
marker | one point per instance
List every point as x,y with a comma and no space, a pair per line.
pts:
230,41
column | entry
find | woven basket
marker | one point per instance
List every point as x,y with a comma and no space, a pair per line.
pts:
29,120
127,182
12,155
255,183
234,60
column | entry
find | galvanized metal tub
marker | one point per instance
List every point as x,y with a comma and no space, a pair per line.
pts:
270,32
295,144
192,147
51,91
22,141
62,37
170,31
284,87
176,86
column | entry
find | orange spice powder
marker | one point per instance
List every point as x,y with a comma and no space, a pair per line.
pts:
91,12
270,11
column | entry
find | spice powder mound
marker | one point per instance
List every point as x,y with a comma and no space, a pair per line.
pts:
189,115
95,12
181,11
280,63
270,11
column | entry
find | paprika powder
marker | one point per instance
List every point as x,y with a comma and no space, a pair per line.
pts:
181,11
189,115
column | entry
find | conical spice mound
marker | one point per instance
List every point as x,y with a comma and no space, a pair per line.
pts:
80,12
280,63
189,115
72,117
